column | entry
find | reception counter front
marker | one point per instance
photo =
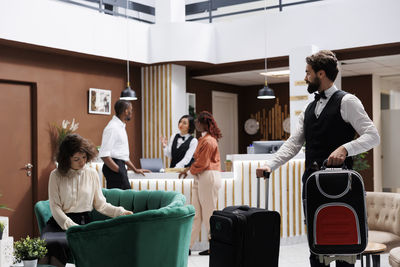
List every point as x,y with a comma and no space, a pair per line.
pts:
240,188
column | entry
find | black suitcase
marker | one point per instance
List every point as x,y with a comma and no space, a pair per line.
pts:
245,236
336,215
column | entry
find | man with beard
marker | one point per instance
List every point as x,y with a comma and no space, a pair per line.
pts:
327,126
114,150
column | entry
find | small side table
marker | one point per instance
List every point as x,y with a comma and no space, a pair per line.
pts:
373,249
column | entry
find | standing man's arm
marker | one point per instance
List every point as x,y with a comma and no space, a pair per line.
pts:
110,164
353,112
107,143
136,170
287,151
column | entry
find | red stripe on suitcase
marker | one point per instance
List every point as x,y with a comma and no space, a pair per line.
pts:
336,225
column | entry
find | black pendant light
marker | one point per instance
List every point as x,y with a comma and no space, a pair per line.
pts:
128,93
265,92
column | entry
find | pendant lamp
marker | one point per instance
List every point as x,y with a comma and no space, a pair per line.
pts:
265,92
128,93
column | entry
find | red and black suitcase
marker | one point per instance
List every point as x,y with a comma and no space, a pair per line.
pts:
245,236
335,209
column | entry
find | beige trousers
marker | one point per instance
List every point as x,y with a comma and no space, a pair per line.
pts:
204,199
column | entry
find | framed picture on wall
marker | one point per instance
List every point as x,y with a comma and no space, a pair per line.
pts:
99,101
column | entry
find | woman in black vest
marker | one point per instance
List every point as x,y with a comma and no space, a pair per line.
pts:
182,145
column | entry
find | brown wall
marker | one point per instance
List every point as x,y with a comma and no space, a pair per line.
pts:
62,83
361,86
203,90
250,104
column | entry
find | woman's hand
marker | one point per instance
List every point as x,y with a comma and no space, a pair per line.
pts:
164,141
183,174
127,212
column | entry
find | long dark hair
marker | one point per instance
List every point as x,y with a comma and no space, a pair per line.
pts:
191,122
210,125
72,144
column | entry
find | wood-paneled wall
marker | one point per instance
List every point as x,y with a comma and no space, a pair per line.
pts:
157,110
62,82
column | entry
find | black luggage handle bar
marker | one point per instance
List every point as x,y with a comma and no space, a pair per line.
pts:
266,176
324,166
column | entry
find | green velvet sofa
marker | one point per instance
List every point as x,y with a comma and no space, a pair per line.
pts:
157,234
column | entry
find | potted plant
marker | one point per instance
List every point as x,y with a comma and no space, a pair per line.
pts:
1,230
29,250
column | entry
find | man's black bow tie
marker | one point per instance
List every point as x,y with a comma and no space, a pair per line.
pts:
318,96
180,136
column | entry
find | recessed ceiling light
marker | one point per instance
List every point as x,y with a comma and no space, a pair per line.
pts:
278,73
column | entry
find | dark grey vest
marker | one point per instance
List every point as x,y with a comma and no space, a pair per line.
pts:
178,154
328,132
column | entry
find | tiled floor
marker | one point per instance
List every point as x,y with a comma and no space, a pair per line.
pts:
289,256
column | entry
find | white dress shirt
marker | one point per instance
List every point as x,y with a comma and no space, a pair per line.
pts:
114,142
77,191
352,111
189,153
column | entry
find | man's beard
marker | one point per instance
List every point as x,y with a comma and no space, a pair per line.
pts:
314,86
128,118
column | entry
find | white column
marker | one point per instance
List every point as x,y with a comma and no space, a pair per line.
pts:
168,11
299,97
377,119
394,99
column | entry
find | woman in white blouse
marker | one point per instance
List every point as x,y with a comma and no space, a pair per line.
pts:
182,145
74,190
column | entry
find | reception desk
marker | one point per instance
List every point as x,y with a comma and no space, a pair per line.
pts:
240,188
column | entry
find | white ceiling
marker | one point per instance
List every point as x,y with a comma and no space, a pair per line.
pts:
386,67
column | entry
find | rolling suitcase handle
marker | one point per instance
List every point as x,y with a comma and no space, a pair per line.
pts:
266,176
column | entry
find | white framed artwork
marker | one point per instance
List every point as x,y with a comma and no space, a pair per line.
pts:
99,101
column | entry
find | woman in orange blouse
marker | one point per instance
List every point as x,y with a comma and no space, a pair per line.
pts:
206,171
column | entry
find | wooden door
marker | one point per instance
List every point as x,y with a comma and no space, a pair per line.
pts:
16,153
224,106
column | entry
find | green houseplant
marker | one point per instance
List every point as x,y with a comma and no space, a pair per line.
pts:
1,230
2,206
29,250
360,162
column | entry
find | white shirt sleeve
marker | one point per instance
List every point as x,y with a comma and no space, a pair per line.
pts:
353,112
168,148
290,148
107,143
188,155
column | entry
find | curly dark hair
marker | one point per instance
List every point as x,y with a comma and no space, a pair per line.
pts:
72,144
324,60
191,122
207,120
120,106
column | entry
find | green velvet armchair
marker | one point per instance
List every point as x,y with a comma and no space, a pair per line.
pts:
157,234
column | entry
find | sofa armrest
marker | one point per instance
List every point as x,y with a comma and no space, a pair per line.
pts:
43,213
150,238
